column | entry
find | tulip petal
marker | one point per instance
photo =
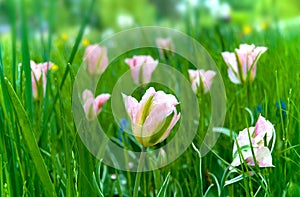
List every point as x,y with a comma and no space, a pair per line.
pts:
263,127
243,139
132,106
141,67
156,118
99,101
231,62
207,79
175,119
89,109
87,94
96,59
148,70
263,157
158,136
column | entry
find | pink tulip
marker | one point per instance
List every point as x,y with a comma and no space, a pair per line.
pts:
201,78
141,67
242,63
263,128
96,60
38,76
93,106
165,46
153,117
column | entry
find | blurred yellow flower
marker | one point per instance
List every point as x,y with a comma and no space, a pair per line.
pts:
85,42
247,29
64,36
263,25
54,67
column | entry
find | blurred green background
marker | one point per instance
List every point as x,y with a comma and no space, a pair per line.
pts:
111,16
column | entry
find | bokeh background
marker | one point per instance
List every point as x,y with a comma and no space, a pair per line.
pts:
191,16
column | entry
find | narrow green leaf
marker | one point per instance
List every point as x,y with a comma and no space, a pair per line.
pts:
73,53
29,138
12,17
162,191
26,62
96,186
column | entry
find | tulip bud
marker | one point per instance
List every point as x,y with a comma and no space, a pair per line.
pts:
141,67
38,76
96,60
153,117
242,63
165,47
201,79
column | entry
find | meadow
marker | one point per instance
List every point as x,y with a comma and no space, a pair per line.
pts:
42,154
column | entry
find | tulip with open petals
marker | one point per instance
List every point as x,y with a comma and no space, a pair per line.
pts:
261,133
153,117
96,60
93,106
142,67
242,63
201,79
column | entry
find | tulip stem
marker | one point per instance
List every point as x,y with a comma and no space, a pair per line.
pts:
139,172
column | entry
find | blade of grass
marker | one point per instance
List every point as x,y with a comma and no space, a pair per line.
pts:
162,191
73,52
26,62
12,17
9,144
30,140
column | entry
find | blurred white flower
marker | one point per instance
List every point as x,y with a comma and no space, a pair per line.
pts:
125,21
193,3
113,176
218,10
181,8
107,33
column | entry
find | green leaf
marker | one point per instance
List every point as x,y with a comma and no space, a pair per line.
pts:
162,191
158,135
29,138
26,62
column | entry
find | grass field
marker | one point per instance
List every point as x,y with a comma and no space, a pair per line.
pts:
41,153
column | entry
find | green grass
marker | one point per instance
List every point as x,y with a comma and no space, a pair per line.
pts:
41,153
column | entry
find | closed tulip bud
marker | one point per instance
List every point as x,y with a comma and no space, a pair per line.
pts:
93,106
242,63
153,117
96,60
38,77
165,47
141,67
201,79
263,130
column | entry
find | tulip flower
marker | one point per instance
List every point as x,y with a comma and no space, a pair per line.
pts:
153,117
142,67
261,133
38,76
242,63
165,47
201,79
93,106
96,60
